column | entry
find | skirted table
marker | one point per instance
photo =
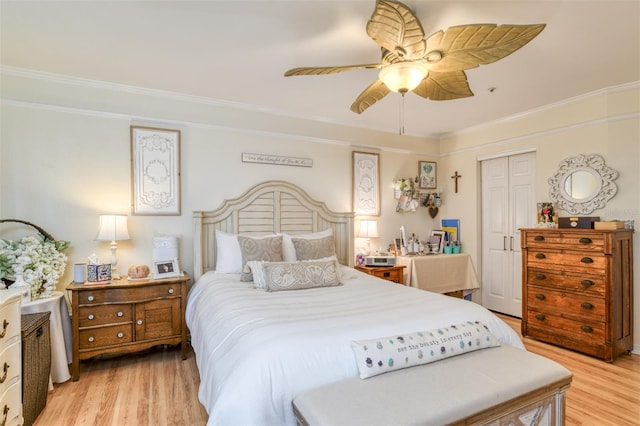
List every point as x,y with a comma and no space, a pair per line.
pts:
440,273
60,330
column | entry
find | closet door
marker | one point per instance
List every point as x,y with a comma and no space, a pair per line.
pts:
508,203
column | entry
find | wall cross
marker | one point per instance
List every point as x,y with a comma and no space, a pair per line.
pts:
456,176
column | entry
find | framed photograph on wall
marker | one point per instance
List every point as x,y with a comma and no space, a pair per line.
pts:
428,174
366,184
155,171
166,268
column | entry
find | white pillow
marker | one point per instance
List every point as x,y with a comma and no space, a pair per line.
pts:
228,254
377,356
289,250
258,274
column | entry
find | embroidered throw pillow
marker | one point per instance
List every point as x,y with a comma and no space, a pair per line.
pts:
280,276
314,248
265,248
289,250
377,356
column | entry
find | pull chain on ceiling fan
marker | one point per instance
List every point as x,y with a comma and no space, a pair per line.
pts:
432,68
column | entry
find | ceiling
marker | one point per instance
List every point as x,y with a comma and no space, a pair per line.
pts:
237,51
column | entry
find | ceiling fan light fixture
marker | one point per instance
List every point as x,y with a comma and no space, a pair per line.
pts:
403,77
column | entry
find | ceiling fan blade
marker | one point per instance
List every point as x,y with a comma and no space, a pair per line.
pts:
327,70
444,86
370,96
468,46
394,25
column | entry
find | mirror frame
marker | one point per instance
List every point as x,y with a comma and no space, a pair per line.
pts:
593,164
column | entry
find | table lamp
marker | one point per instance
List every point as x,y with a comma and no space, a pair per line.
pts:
113,228
368,229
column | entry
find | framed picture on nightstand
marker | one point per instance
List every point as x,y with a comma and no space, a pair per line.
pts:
166,268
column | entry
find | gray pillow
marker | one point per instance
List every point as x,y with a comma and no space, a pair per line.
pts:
318,248
268,249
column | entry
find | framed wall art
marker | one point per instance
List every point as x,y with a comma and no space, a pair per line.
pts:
366,184
155,171
428,174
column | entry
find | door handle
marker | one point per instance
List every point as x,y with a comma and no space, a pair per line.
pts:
511,243
504,243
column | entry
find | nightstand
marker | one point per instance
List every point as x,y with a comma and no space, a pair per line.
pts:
127,316
389,273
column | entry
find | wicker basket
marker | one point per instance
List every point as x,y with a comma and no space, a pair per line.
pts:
36,364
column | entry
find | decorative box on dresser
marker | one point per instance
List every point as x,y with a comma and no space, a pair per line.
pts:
10,358
578,289
127,316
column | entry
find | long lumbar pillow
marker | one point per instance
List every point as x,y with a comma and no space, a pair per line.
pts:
384,354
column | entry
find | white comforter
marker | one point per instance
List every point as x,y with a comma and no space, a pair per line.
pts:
256,351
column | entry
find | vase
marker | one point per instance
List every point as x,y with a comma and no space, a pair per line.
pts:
21,285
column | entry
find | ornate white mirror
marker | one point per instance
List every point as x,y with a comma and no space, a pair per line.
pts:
583,184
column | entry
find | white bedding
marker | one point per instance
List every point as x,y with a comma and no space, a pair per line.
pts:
256,350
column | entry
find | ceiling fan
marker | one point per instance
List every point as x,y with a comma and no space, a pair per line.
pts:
431,68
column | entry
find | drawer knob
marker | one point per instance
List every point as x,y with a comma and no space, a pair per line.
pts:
586,305
139,322
538,238
170,291
5,324
586,260
540,256
90,298
541,276
585,240
541,317
4,372
120,313
91,339
586,328
587,283
91,316
540,296
120,335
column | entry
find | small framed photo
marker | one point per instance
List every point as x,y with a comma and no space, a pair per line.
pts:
428,174
166,268
440,234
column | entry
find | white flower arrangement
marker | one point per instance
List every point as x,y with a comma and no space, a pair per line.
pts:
41,263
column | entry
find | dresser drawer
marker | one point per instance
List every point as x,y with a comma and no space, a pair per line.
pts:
105,336
114,295
561,260
588,332
11,405
9,323
10,366
393,274
567,304
89,316
567,281
573,240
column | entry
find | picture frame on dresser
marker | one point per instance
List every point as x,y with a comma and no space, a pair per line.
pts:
155,171
166,268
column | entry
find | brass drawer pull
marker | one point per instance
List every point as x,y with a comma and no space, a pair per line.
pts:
5,413
540,256
585,240
5,324
586,260
538,238
541,276
540,296
586,328
4,374
586,305
541,317
586,283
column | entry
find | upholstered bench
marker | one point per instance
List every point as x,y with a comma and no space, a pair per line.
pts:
496,385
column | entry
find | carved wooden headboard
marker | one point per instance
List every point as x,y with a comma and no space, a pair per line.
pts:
269,207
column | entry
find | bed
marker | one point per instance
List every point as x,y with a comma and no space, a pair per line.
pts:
257,350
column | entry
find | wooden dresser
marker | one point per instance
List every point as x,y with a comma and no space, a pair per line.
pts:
577,287
10,358
127,316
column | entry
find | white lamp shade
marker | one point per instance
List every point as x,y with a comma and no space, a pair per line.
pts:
113,228
368,229
403,76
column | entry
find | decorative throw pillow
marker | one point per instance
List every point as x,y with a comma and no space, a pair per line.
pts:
377,356
280,276
258,274
316,248
266,248
289,250
228,254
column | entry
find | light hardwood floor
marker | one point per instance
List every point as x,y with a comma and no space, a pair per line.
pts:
157,388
